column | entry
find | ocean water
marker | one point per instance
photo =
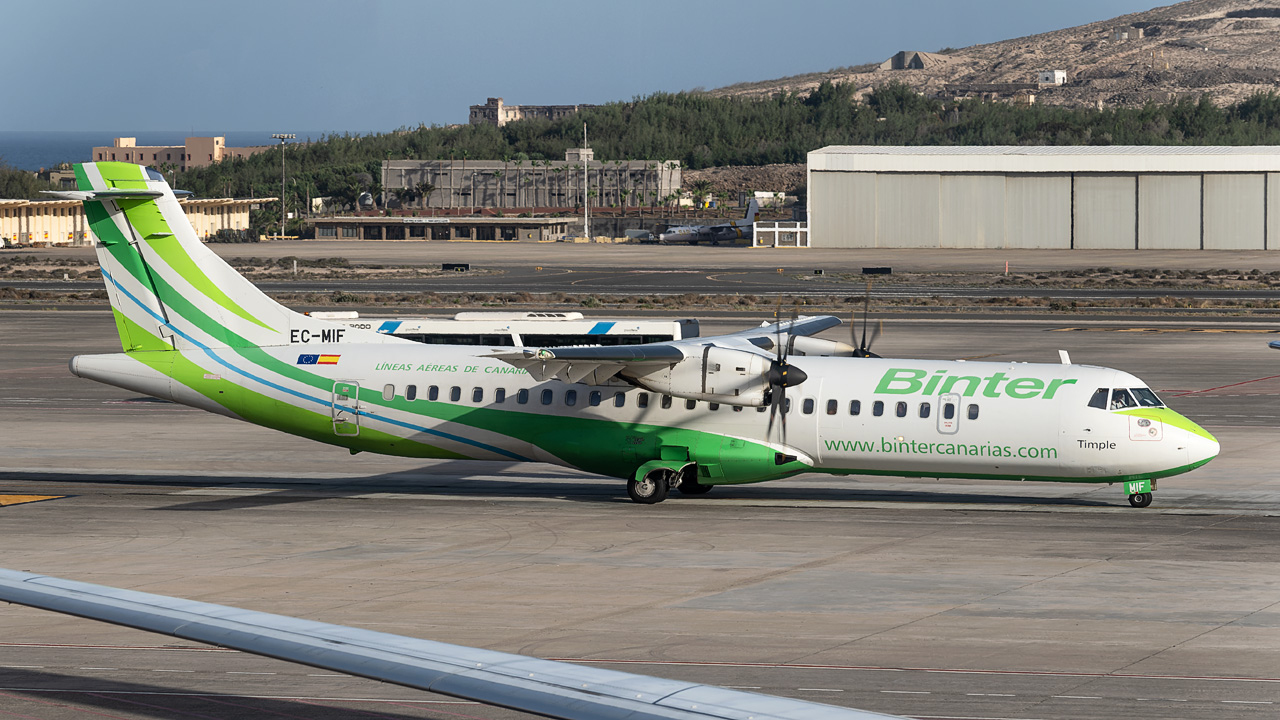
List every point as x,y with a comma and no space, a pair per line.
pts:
34,149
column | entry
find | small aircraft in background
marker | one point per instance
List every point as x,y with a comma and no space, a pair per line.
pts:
714,234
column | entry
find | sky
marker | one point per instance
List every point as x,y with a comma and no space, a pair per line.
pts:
325,65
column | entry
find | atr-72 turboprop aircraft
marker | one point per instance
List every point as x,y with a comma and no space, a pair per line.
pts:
687,414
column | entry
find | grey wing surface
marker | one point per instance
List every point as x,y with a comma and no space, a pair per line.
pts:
595,365
544,687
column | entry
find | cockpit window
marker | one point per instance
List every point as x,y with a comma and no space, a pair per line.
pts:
1121,399
1146,398
1099,399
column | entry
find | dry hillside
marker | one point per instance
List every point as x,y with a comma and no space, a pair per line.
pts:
1228,49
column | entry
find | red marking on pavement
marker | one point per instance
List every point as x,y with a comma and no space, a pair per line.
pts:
1221,387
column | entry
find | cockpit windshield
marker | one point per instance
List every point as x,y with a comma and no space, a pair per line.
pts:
1120,398
1146,398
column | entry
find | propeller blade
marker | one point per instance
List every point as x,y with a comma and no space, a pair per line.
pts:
875,334
783,403
866,313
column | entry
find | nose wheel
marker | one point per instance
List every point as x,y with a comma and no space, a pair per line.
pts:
1140,500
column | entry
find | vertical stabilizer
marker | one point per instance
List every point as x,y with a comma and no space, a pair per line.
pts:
167,288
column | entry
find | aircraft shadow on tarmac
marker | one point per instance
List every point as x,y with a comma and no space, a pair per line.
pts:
471,480
44,689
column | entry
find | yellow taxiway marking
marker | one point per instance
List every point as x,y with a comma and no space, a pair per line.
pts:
1258,331
6,500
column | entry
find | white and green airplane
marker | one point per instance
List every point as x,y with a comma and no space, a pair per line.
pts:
688,414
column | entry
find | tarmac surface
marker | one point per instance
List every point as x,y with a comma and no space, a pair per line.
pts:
931,599
543,268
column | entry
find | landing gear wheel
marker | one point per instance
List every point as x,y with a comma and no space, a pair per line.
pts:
693,487
1140,500
649,490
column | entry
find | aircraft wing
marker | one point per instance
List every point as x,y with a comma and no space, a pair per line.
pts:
544,687
595,364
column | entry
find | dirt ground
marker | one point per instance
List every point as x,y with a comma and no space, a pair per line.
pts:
1224,48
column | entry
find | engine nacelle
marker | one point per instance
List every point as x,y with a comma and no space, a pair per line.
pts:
802,345
719,375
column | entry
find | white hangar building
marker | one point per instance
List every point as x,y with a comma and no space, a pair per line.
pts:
1149,198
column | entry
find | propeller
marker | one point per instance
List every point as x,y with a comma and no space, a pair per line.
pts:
781,376
864,347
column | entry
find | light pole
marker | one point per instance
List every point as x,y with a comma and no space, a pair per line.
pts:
282,137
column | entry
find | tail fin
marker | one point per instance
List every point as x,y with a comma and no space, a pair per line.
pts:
753,209
166,288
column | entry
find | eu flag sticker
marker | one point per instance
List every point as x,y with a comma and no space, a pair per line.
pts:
308,359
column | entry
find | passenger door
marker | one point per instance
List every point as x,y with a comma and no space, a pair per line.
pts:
346,408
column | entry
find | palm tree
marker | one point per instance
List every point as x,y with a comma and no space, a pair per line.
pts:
500,176
424,190
519,168
559,172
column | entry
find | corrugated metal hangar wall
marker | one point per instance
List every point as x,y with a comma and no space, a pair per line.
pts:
1150,198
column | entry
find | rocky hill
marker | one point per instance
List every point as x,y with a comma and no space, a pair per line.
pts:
1227,49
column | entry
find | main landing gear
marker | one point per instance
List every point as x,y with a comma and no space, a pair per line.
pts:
1140,500
655,486
652,488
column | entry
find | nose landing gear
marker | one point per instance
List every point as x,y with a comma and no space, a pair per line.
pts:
1140,500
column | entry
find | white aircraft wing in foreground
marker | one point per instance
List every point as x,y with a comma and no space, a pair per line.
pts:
544,687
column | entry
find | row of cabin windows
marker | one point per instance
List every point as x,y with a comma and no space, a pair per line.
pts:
595,398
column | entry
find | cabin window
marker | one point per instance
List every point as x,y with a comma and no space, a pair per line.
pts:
619,399
666,402
433,393
1099,399
570,397
477,395
411,392
737,408
455,394
855,407
547,396
1146,398
713,406
807,406
1121,399
762,408
949,411
973,412
522,397
690,403
642,400
877,408
388,392
786,406
924,409
594,398
833,406
500,396
901,409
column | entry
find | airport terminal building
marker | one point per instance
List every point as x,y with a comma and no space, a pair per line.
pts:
1123,198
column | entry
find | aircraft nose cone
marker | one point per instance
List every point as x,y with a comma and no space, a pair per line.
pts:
1202,446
